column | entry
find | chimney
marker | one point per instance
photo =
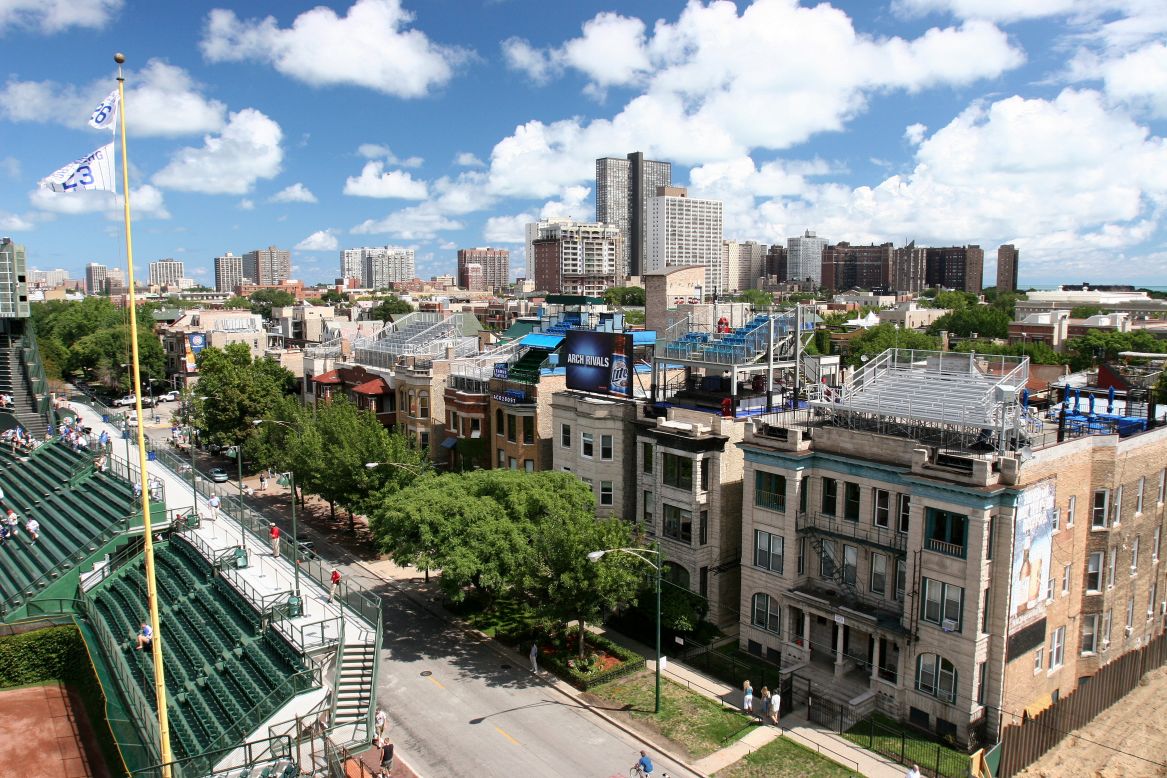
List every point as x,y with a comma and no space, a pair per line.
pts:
944,340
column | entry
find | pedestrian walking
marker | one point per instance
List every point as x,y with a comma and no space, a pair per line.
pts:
914,772
275,540
765,702
748,698
262,482
380,719
335,579
214,503
534,657
384,752
776,708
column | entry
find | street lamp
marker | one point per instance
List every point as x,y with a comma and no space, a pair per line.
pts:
295,533
402,465
596,556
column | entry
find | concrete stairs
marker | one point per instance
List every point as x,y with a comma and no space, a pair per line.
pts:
355,683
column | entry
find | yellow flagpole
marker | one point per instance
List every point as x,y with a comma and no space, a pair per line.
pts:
151,584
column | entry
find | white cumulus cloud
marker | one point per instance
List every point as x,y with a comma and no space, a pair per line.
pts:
296,193
381,151
163,100
374,181
466,159
371,46
321,240
50,16
246,150
145,201
418,222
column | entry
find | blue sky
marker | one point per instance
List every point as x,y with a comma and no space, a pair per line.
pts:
451,123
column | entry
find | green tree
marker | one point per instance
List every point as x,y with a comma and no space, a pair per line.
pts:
875,340
234,390
624,295
236,301
332,297
1085,311
1038,353
263,300
757,298
1087,350
986,321
634,318
105,355
389,307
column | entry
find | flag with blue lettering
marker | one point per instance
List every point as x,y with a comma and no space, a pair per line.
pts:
105,115
93,172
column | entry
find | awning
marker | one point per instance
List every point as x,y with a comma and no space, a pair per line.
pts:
643,337
449,442
542,340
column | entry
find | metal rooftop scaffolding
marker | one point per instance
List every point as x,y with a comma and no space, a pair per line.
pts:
968,401
422,333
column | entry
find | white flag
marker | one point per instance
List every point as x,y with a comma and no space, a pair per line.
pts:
93,171
105,116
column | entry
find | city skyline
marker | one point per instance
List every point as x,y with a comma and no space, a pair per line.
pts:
909,120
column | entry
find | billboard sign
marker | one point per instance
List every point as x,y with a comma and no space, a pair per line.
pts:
1032,554
599,362
195,343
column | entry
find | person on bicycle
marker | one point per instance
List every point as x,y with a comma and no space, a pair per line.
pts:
643,765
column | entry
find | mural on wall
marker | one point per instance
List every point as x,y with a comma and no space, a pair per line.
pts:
1032,553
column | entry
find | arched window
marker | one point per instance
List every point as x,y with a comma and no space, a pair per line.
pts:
936,676
766,613
675,574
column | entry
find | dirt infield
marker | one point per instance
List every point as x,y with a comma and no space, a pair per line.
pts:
46,735
1133,725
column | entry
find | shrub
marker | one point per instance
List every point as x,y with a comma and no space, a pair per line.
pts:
586,673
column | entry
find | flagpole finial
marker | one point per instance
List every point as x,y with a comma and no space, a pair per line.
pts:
119,58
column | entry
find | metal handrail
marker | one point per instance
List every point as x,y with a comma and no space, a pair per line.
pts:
202,763
291,686
886,537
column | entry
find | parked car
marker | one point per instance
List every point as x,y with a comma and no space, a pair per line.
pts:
169,397
122,402
219,475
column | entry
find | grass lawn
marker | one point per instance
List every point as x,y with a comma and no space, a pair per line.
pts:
695,724
783,757
891,737
503,619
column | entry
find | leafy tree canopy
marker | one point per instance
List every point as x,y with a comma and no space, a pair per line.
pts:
624,295
90,339
757,298
875,340
985,320
1038,353
233,390
389,307
236,301
263,300
1087,350
1085,311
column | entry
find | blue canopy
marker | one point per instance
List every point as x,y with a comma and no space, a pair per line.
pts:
542,340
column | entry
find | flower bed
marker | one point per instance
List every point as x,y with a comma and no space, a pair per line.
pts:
603,660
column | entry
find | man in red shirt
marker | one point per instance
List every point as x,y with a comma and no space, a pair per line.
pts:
335,584
275,540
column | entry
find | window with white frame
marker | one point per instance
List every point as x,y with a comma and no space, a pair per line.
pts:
1162,485
1135,554
1094,573
827,561
1111,563
678,523
903,512
646,457
850,564
881,507
1116,507
1089,642
605,447
768,551
878,583
1106,620
766,613
1057,648
1071,510
801,556
901,578
1155,544
1057,519
647,514
1130,614
1151,597
936,676
1065,579
587,444
1039,660
1050,583
1139,494
605,492
942,604
1098,512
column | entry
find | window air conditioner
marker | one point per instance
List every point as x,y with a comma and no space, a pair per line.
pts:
949,625
1128,630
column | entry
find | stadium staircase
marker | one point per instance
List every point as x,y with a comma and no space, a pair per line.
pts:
225,675
526,367
79,512
14,382
353,689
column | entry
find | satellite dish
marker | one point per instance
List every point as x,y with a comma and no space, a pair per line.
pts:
864,358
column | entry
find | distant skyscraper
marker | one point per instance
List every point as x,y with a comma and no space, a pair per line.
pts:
268,266
496,264
804,258
115,281
166,272
384,265
623,189
577,258
352,265
856,267
685,231
95,278
955,267
743,263
1008,258
776,262
533,230
47,279
228,273
907,268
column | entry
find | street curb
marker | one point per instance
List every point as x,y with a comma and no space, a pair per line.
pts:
558,685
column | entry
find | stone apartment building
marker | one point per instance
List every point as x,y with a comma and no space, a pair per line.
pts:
915,543
594,437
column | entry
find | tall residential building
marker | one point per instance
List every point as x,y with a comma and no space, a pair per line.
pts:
166,272
228,273
496,266
532,231
47,279
907,269
623,189
856,267
955,267
743,263
804,257
776,262
1008,257
384,265
577,258
95,278
685,231
352,264
268,266
13,285
115,281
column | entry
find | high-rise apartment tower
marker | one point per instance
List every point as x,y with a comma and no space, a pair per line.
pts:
623,189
